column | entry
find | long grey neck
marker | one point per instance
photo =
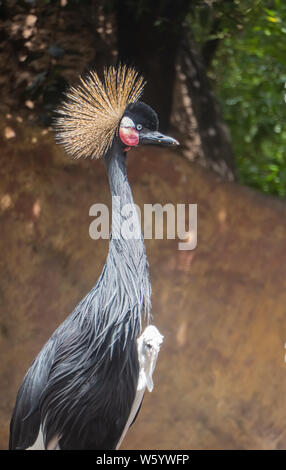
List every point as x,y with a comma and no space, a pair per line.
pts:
126,261
126,229
115,163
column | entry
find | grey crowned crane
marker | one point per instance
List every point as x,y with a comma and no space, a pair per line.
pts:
85,387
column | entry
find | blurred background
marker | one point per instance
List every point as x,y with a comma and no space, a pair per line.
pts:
216,74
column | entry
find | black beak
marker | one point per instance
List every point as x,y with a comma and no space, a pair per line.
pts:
156,138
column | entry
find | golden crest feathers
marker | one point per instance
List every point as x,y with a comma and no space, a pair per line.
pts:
90,114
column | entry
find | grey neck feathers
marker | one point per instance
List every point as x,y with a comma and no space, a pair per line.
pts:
126,263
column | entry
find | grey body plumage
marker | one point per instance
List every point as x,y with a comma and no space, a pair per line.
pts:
80,388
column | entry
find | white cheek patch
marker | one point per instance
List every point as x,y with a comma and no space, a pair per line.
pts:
126,122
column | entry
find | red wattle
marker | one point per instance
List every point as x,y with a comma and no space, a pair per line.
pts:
129,136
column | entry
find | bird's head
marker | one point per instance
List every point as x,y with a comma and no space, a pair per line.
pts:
139,126
95,114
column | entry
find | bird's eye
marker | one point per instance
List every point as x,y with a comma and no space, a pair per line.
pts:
139,127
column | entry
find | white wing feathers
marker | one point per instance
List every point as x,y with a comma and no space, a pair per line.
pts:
148,346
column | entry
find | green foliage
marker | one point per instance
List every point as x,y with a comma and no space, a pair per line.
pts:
249,71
